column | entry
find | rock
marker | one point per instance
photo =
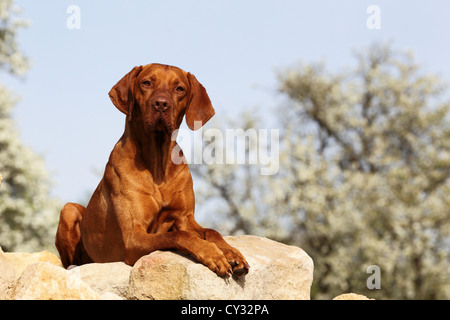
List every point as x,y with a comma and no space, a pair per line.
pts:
351,296
20,260
45,281
105,277
7,275
277,271
110,296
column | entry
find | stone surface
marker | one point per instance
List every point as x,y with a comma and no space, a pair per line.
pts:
110,296
7,275
351,296
45,281
21,260
277,271
105,277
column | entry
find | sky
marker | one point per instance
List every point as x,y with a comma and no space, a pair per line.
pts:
235,49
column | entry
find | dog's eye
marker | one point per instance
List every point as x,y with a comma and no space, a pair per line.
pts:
179,89
146,83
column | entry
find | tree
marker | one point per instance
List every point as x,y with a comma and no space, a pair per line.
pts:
28,215
364,178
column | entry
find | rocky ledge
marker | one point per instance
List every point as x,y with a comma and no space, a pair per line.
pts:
278,271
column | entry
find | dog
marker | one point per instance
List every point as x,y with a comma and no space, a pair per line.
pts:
145,201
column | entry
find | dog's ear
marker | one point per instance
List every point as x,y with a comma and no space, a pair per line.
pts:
122,94
199,109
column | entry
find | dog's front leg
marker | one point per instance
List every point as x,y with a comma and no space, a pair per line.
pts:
207,253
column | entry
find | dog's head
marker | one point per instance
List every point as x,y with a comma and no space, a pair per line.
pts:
160,95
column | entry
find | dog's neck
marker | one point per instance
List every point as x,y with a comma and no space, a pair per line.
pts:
153,150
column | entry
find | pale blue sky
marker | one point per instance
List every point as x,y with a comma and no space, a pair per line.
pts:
233,47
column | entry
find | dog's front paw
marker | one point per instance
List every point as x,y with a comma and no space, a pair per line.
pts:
212,257
237,261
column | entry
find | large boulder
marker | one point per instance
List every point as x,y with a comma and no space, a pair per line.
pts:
277,271
21,260
45,281
105,278
7,275
12,265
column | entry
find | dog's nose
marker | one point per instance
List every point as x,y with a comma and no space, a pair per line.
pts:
160,103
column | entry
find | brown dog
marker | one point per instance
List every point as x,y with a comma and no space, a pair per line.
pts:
145,201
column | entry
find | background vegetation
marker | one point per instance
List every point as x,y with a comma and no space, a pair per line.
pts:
364,177
363,180
28,216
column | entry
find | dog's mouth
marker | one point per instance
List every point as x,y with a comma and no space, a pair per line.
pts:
160,125
160,122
